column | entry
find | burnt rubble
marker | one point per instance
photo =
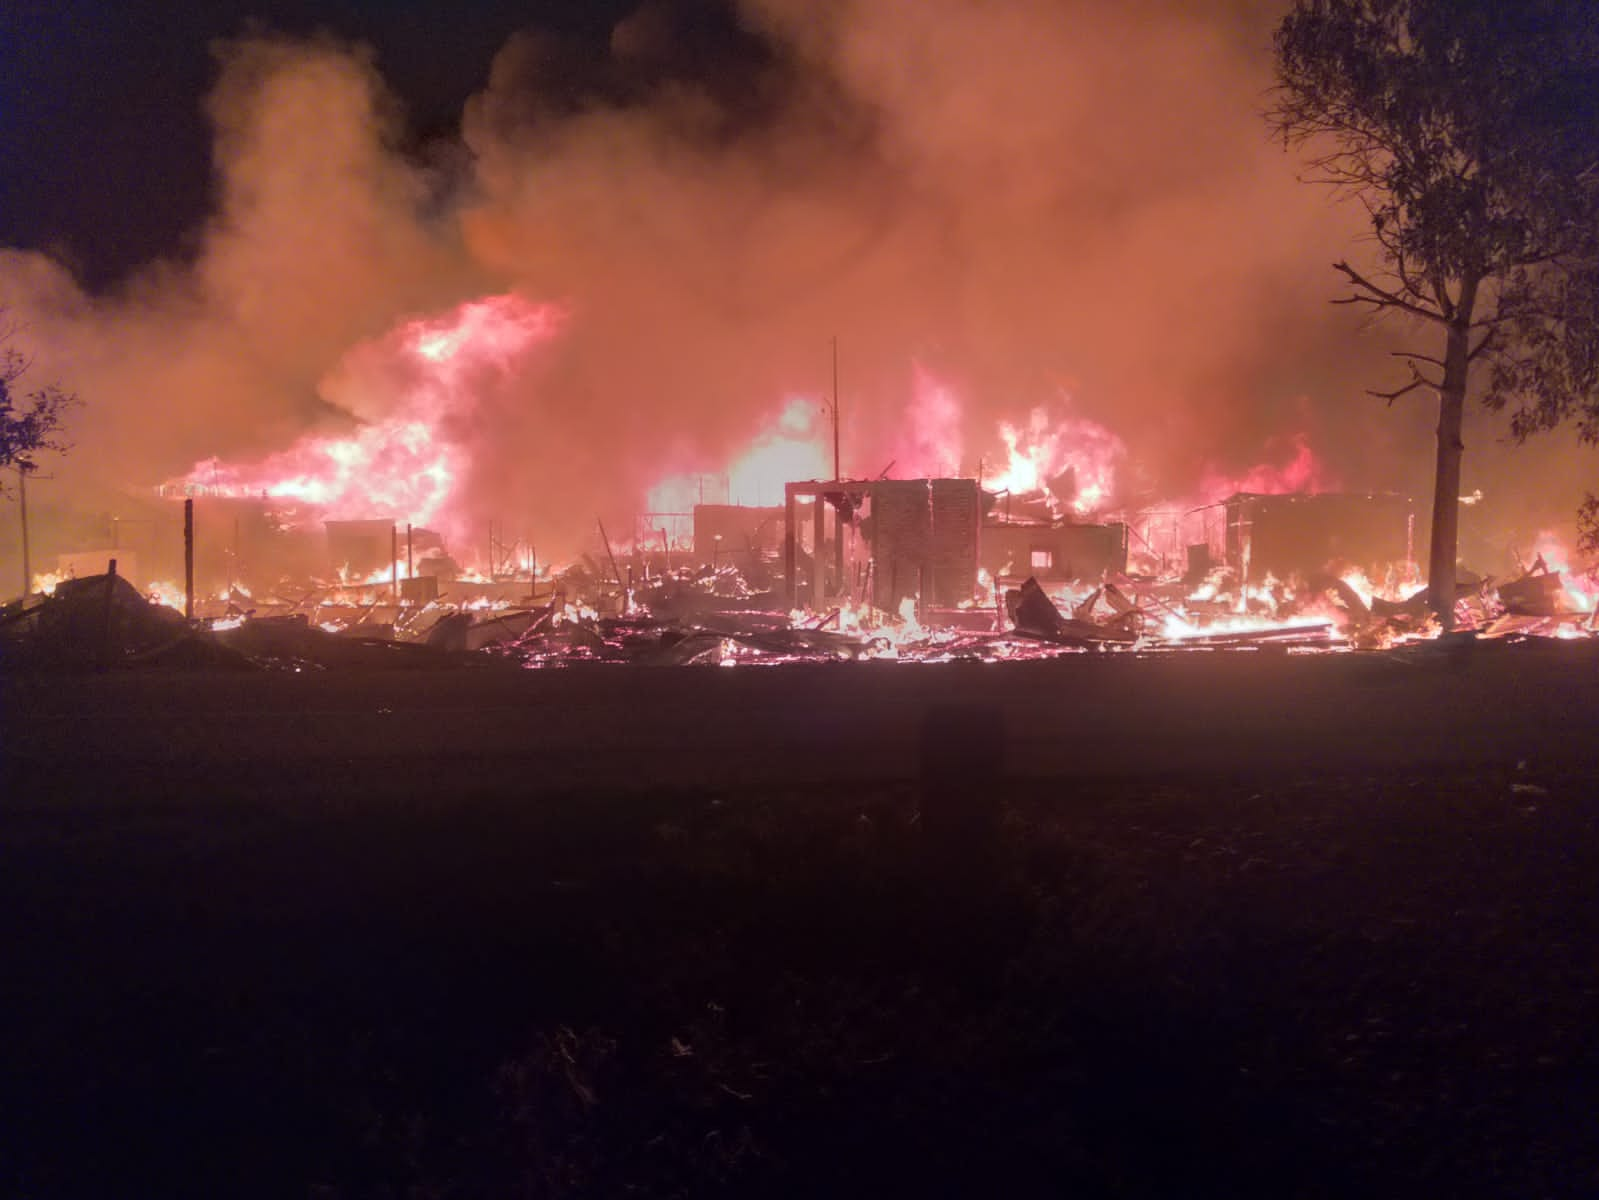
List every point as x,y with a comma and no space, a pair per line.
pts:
715,617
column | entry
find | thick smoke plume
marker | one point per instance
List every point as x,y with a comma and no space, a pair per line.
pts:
1046,204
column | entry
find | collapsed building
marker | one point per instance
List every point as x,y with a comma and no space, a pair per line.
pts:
887,542
1298,534
928,539
1061,552
939,543
748,536
930,567
882,542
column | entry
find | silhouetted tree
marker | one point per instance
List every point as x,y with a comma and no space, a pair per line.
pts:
1553,379
30,421
1469,131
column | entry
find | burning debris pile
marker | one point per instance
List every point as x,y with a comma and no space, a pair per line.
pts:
714,616
340,551
98,623
357,392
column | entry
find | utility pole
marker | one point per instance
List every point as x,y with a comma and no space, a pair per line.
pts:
22,501
837,473
22,513
838,506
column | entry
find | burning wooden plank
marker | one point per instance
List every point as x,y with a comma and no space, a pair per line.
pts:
1277,635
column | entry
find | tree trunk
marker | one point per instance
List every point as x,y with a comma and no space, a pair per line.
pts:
1446,480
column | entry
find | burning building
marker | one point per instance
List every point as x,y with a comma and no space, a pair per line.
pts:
1056,552
1305,535
737,534
914,540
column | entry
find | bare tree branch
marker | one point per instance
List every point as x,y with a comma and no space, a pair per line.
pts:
1368,292
1413,357
1417,380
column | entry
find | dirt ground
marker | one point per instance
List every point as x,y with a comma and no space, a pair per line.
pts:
1210,924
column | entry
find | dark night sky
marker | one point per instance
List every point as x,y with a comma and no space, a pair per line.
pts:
104,145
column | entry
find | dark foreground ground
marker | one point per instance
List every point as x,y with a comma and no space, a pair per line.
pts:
1224,925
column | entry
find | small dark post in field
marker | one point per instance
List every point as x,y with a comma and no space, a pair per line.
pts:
110,600
188,559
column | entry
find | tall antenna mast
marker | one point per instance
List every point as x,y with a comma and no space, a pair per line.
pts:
27,558
837,473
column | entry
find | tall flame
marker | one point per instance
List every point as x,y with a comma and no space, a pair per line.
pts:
1071,460
403,465
1303,472
929,438
791,446
793,449
1579,582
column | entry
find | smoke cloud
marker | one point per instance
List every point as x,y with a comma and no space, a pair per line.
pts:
1050,204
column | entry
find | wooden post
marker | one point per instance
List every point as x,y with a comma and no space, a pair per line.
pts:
616,571
110,599
188,559
790,550
838,543
27,558
837,472
394,563
410,570
818,563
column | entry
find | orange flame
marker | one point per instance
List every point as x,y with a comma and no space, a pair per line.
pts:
403,465
929,440
793,449
1579,584
1071,455
792,446
1303,472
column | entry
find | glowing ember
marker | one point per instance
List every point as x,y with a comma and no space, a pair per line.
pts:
1176,628
166,592
403,465
1399,584
378,575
